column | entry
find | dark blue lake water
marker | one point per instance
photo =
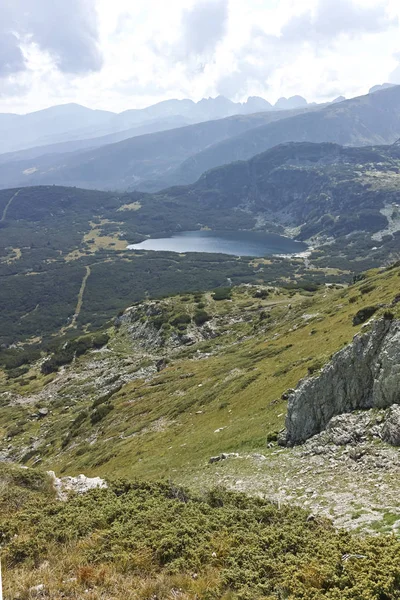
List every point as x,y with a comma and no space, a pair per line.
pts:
237,243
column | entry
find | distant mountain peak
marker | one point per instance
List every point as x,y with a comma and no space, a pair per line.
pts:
383,86
257,103
292,102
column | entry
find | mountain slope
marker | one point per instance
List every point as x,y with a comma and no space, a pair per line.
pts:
167,392
48,125
94,142
122,165
370,119
322,189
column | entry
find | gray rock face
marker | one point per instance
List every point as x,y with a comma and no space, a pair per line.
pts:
365,374
391,428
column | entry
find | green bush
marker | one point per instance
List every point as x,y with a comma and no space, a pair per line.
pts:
18,372
246,548
201,317
100,413
65,353
224,293
182,319
367,289
261,293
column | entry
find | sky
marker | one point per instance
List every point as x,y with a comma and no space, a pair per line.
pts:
121,54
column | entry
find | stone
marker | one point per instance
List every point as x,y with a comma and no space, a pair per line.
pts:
365,374
43,412
223,456
80,484
214,459
391,426
37,590
161,365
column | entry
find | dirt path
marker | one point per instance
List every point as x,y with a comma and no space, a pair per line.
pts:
80,299
7,206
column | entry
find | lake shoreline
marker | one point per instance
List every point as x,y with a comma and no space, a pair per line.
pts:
235,243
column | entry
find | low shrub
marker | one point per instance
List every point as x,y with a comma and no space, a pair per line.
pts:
65,353
224,293
201,317
100,413
181,319
239,547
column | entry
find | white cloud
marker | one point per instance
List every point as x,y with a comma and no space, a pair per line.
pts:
130,54
333,18
66,31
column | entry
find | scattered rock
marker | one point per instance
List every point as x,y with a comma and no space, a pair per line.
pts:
161,365
223,456
43,412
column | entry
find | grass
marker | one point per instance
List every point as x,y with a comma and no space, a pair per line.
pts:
220,395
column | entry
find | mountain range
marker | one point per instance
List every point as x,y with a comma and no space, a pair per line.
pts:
124,164
72,122
178,156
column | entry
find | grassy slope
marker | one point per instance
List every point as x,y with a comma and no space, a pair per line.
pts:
156,428
144,541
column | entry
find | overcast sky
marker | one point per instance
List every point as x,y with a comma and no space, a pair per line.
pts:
119,54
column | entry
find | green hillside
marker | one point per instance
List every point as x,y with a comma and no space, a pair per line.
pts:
180,380
64,249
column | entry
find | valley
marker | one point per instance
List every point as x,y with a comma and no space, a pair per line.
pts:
334,198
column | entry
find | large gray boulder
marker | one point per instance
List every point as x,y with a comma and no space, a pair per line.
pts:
365,374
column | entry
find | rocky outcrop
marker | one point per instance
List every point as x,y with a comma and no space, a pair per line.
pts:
365,374
78,485
153,327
